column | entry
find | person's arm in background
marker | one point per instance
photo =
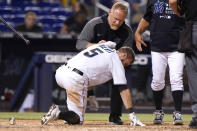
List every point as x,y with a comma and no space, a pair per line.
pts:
69,21
174,6
143,25
64,29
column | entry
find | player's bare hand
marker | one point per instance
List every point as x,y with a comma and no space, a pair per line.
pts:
139,42
102,41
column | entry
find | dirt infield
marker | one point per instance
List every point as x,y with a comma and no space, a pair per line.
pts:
34,125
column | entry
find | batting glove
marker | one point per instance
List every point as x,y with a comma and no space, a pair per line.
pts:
110,44
134,120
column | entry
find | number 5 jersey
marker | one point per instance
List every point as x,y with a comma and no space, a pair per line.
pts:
100,64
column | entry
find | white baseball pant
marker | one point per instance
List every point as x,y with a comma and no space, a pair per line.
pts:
76,88
175,61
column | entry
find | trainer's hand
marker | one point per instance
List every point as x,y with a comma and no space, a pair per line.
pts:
139,41
101,41
110,44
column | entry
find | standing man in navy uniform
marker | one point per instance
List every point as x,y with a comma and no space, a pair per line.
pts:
164,28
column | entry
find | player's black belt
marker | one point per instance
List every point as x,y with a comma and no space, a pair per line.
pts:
76,70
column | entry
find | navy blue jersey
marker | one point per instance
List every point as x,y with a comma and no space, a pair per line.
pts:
164,26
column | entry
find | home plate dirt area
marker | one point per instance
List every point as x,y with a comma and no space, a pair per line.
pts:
35,125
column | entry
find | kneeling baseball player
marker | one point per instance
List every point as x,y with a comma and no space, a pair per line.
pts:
92,66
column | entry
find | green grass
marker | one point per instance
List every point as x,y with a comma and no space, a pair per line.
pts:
143,117
150,117
21,116
89,116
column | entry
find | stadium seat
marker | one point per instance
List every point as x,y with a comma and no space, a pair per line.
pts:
43,12
20,15
3,3
28,4
58,11
50,14
18,10
17,4
6,10
47,20
57,27
59,21
7,17
69,14
35,9
18,20
44,4
4,28
55,5
46,28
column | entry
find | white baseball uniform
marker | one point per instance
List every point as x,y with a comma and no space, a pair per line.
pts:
96,64
175,60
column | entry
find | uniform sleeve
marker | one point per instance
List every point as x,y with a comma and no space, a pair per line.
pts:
130,38
149,13
86,35
117,70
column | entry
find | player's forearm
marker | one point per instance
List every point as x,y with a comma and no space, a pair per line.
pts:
174,6
143,25
126,98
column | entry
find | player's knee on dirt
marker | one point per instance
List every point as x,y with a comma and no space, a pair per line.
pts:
70,116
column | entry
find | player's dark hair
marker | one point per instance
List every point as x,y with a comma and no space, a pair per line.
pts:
129,51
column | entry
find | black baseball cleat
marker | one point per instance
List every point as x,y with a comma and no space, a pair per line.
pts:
115,120
193,123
